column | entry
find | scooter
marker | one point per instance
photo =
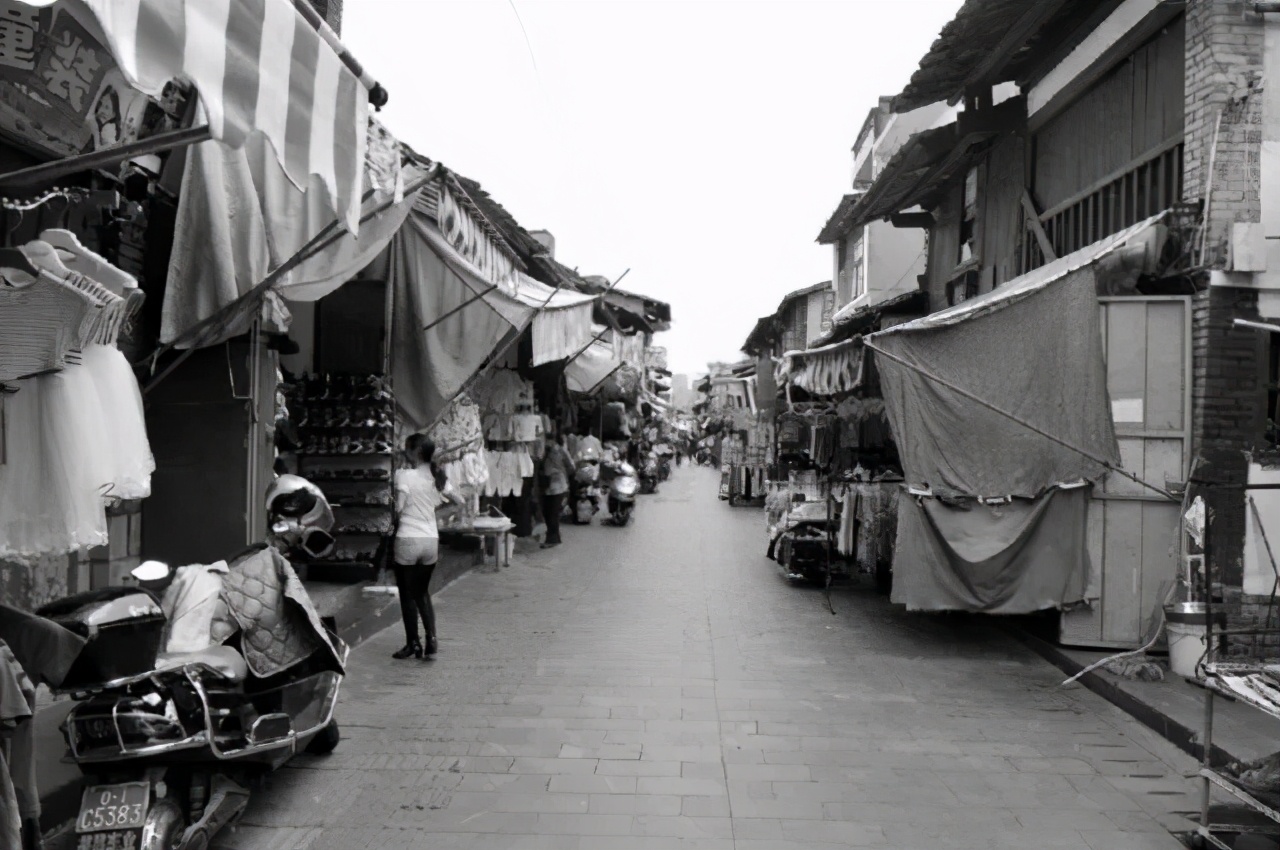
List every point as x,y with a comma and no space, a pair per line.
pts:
649,475
585,501
623,486
172,736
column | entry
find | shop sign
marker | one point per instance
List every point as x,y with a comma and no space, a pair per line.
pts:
469,239
61,93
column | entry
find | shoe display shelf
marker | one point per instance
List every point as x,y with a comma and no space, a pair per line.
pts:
346,430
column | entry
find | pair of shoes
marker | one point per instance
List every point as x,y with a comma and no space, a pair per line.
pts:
432,645
410,650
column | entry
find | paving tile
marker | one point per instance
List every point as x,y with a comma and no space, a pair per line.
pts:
659,688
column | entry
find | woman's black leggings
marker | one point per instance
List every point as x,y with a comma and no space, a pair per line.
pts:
415,599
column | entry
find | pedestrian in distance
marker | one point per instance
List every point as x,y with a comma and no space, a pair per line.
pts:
421,489
557,470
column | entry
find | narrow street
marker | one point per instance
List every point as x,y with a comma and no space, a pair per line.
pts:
660,686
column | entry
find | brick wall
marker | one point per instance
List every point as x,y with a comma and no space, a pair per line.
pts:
331,11
1223,67
1226,396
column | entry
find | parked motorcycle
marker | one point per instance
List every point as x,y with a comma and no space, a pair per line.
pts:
649,475
186,695
585,501
623,486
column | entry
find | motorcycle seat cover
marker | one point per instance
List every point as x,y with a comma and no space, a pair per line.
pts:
223,660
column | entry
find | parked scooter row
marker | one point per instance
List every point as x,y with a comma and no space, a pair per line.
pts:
196,683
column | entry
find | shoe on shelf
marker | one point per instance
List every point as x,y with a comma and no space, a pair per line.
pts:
408,650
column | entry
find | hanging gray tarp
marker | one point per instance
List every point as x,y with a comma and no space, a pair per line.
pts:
1028,555
1032,348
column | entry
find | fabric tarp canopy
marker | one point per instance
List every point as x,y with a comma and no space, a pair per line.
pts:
239,216
434,357
260,69
1016,558
826,370
1032,348
586,372
562,324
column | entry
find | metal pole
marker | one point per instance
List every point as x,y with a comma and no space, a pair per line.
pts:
481,294
377,94
50,171
1024,423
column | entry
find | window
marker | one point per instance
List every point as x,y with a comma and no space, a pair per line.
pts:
1271,416
969,217
857,285
962,288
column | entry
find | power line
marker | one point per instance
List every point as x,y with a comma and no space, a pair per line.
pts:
528,44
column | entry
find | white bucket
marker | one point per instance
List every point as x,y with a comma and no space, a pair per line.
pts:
1186,647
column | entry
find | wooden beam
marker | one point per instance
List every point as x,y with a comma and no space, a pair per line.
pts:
1033,223
983,75
921,219
47,172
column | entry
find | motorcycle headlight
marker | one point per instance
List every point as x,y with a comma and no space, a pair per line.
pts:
627,486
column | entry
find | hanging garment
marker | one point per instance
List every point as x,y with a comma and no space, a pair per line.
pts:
524,427
40,322
15,719
498,427
848,517
458,431
123,420
59,465
17,710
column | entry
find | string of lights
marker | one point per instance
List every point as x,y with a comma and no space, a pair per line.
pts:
70,195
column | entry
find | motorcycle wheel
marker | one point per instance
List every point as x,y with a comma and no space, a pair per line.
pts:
163,827
325,741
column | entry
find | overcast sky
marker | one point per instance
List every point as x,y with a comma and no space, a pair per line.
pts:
700,144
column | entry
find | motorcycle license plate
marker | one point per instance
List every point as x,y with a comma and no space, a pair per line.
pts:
113,807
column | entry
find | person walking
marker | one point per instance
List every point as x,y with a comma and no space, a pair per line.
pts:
420,490
557,469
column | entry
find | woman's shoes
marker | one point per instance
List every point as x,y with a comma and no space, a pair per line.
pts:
412,649
432,645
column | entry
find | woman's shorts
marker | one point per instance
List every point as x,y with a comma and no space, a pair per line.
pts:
417,550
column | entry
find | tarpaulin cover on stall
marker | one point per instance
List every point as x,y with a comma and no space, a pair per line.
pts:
428,279
589,370
259,67
239,216
826,370
1020,557
432,359
1033,348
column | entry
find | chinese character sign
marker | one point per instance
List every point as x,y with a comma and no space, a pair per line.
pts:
61,92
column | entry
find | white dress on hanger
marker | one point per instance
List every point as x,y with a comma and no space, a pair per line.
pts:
122,422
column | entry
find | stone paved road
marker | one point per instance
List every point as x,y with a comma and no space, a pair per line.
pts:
660,686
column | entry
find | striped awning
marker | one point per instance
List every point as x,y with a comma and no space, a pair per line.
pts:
258,66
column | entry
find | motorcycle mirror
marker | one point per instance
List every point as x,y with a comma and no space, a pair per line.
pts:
150,571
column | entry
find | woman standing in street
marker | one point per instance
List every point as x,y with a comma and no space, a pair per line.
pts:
420,490
556,469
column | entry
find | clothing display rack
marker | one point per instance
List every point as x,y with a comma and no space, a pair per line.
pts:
346,431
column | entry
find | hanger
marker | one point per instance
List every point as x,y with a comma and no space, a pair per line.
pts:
80,259
12,258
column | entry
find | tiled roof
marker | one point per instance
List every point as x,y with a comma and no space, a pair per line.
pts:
999,40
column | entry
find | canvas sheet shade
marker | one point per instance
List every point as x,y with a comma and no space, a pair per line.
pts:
1017,558
259,68
239,216
586,372
433,358
1031,347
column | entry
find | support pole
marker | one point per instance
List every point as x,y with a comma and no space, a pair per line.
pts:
48,172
